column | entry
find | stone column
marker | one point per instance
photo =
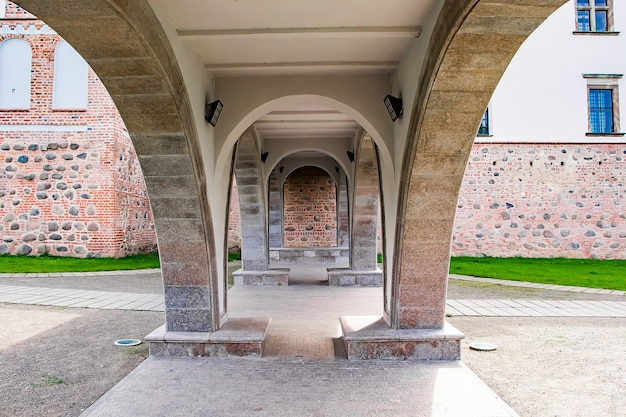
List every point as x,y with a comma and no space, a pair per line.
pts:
276,210
343,214
252,208
363,269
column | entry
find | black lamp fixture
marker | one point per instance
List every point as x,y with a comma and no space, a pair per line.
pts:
212,111
394,107
281,169
264,156
350,155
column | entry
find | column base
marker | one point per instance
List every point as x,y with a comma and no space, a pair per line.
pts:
277,277
370,337
345,277
238,337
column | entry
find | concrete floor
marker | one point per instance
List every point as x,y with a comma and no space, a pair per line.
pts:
303,372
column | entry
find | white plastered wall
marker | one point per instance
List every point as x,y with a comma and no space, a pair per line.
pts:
542,96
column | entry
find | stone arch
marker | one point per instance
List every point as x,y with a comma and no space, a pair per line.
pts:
281,170
231,134
250,187
472,43
125,45
292,167
365,207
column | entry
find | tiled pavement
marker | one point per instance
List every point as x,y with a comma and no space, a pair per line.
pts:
15,294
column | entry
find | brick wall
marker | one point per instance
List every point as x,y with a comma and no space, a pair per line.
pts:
535,200
310,209
73,189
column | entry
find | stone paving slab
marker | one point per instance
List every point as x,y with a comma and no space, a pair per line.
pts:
536,308
269,387
14,294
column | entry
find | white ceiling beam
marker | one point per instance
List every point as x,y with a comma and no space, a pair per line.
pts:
396,32
317,64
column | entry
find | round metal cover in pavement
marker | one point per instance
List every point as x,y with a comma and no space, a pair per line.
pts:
485,347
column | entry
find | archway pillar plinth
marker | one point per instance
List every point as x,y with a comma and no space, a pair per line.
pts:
345,277
371,338
276,276
237,337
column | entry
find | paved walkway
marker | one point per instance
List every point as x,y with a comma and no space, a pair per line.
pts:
303,371
68,297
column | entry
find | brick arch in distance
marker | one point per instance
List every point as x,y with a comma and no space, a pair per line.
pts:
125,45
473,41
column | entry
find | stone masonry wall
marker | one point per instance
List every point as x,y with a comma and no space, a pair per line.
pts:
310,209
537,200
76,188
534,200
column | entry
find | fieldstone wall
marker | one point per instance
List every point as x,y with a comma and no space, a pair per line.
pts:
310,209
71,183
534,200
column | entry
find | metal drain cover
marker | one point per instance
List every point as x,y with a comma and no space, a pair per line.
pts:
485,347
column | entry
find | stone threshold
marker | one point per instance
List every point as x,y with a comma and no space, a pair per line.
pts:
371,338
238,337
276,277
346,277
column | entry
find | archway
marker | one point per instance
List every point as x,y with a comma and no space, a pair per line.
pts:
470,44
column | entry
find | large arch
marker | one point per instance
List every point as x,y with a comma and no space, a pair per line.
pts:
270,99
471,46
125,45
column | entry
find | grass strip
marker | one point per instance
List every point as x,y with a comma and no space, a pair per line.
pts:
592,273
43,264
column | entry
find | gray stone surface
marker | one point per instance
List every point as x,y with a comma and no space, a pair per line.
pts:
241,387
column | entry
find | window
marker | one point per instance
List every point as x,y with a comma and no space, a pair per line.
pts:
600,110
483,129
603,102
71,74
594,15
15,67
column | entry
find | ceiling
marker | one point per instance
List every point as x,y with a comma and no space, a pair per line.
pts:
274,37
297,37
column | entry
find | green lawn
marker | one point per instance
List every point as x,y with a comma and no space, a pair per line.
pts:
10,263
576,272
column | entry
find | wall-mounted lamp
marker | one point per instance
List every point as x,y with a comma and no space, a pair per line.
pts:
264,156
394,107
350,156
212,111
281,169
336,169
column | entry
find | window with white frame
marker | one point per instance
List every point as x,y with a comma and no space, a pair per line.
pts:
71,74
603,104
594,16
15,67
